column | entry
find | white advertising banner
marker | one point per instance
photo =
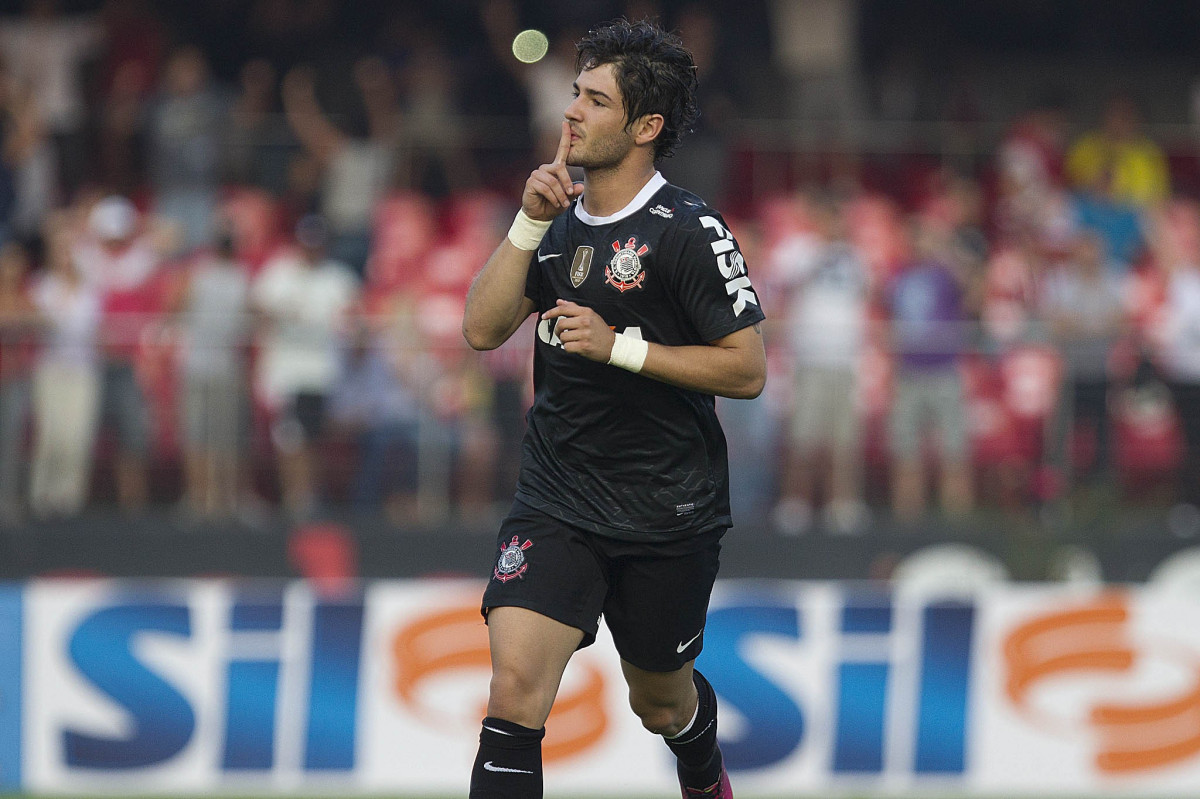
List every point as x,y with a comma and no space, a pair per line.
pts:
194,686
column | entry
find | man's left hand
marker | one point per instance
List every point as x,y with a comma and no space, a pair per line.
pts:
582,331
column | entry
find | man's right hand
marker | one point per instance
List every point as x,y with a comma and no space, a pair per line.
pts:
549,190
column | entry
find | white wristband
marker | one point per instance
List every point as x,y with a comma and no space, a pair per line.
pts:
526,233
628,353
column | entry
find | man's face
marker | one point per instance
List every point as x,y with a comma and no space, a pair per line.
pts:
597,118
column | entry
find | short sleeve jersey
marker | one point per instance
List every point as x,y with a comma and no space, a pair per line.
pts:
618,453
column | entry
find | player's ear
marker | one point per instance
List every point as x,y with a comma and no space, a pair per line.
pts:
647,128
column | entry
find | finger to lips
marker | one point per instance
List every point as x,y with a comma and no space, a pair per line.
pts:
564,144
560,159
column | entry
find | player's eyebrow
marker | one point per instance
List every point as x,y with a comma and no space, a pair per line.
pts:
591,92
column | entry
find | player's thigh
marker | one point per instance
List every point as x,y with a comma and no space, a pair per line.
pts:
658,603
529,653
547,566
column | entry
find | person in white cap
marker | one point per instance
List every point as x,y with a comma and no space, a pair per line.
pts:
120,254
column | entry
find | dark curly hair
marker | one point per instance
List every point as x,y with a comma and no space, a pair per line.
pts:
654,71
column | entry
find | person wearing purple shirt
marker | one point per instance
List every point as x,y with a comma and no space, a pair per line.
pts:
928,305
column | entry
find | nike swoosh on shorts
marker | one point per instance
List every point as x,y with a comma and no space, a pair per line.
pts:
679,649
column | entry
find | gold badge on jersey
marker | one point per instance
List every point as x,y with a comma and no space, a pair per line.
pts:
581,265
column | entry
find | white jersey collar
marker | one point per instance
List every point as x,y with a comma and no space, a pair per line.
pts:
652,185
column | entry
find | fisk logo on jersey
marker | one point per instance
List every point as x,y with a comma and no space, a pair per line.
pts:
732,266
624,271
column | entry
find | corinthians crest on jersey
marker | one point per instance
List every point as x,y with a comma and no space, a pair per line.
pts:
624,271
512,563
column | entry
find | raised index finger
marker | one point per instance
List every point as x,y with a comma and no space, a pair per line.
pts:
564,144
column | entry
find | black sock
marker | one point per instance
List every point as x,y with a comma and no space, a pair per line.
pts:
509,763
699,760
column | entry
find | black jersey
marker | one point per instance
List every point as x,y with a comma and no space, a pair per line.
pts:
615,452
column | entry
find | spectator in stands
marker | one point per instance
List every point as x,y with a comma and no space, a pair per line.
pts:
1118,172
1180,362
376,403
546,82
441,162
214,316
125,78
120,145
120,254
66,383
828,281
1029,168
28,163
185,135
19,330
260,141
701,166
356,170
1119,160
1083,305
46,50
305,300
928,304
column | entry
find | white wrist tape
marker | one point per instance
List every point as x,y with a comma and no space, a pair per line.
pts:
628,353
526,233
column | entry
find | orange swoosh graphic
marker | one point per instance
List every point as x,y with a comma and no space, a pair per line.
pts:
456,639
1095,637
1138,737
1090,638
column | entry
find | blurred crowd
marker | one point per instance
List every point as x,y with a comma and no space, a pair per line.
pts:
243,295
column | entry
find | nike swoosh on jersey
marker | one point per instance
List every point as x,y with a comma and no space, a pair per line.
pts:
488,765
679,649
548,256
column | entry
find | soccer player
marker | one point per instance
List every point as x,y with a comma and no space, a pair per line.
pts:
645,315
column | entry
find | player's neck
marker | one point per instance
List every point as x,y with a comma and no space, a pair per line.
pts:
607,191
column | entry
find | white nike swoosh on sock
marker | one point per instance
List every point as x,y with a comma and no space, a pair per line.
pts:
498,732
489,767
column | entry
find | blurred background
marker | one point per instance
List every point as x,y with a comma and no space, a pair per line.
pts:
235,240
237,236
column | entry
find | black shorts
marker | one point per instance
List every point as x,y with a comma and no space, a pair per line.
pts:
653,596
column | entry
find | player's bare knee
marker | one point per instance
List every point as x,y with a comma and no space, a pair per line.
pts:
660,718
513,685
519,696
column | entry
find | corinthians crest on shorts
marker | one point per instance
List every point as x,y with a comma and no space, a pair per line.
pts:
512,563
624,271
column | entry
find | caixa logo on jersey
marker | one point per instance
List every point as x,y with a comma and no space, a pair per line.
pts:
545,331
229,685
